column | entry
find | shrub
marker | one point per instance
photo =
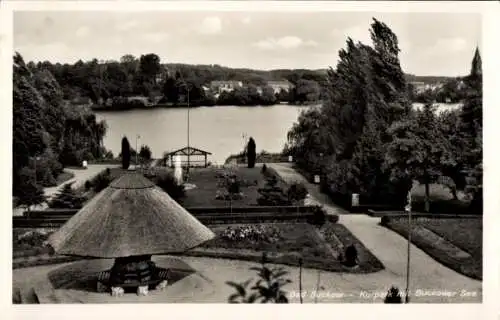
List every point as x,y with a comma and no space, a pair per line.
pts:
351,256
101,182
384,220
168,183
319,216
393,296
297,192
87,185
333,218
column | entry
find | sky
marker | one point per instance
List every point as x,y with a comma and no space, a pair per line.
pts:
439,44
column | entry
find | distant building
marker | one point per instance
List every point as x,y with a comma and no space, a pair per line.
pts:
225,86
420,86
280,85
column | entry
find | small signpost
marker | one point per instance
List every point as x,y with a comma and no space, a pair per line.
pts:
84,164
316,179
355,200
290,158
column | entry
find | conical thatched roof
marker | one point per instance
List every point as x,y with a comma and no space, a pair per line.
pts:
130,217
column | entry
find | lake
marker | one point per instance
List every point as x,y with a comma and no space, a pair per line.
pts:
219,130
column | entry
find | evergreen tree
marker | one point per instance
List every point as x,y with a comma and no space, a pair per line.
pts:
67,198
125,153
251,153
30,193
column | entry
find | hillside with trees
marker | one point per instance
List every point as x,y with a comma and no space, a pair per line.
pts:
147,76
47,134
366,138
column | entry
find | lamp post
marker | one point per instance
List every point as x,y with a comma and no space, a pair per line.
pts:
189,87
408,209
137,137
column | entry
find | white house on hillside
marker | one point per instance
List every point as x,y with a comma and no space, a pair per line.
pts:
280,85
227,86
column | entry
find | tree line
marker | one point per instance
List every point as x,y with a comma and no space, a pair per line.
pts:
47,134
147,76
367,139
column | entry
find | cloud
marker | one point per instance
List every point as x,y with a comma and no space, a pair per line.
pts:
287,42
127,25
156,37
82,31
449,45
246,20
356,33
210,25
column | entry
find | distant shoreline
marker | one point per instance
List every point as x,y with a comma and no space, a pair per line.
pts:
185,106
99,108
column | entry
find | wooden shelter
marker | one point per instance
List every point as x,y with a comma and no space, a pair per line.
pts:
187,154
130,220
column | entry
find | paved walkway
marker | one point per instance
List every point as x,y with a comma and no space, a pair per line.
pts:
80,176
209,284
389,247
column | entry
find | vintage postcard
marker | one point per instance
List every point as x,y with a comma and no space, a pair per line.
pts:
232,152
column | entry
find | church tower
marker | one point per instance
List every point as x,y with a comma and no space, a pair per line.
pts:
477,65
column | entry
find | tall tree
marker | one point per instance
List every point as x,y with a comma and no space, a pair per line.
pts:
125,153
415,149
251,153
149,66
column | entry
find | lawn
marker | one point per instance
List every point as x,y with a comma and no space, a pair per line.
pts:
209,182
464,234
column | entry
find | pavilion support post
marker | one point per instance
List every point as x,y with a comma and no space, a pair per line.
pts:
206,160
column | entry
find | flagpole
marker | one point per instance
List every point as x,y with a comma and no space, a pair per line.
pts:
408,209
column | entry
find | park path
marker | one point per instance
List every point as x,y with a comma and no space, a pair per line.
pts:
80,176
389,247
209,283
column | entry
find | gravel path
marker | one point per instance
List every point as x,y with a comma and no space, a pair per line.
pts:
80,176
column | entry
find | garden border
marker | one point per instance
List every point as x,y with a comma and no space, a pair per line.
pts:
432,250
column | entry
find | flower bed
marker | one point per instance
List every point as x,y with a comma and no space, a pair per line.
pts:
286,242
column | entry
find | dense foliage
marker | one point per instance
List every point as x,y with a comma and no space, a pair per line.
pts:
367,139
145,153
47,133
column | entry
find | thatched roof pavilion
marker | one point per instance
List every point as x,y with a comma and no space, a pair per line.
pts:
131,217
130,220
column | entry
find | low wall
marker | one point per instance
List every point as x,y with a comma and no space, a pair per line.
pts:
66,213
56,221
